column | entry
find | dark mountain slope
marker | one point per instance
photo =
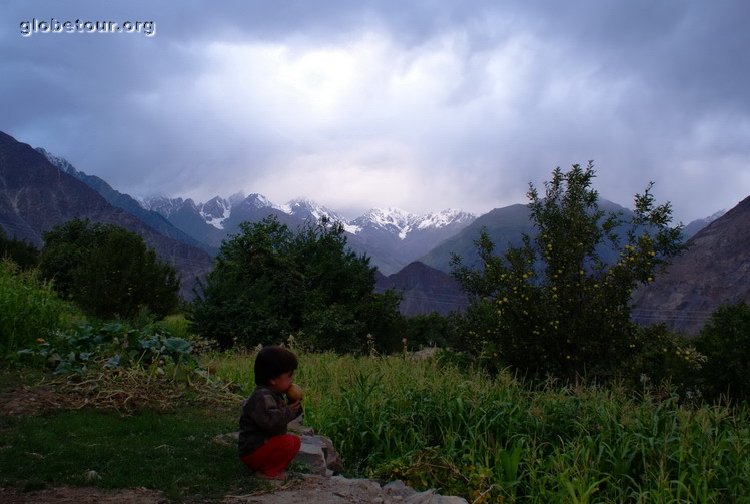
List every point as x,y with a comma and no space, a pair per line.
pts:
35,196
714,270
425,290
126,202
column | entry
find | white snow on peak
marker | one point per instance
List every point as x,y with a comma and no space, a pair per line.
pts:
391,218
351,228
443,218
305,208
215,211
404,222
60,162
162,204
258,200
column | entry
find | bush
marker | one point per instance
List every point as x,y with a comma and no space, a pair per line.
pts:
29,309
663,357
725,341
107,270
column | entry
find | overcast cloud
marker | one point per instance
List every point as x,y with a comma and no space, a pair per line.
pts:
423,105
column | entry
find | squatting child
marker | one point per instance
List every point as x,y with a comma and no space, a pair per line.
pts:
264,445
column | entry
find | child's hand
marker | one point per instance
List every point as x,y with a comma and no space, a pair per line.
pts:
295,406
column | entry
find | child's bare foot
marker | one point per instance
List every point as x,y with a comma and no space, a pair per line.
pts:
280,476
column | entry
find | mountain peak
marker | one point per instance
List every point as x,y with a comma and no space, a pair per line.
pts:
257,200
215,211
57,161
307,209
445,218
402,222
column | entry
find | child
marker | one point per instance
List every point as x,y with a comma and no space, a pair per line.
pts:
264,445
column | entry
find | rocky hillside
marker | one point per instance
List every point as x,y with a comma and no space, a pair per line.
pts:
425,290
714,270
35,196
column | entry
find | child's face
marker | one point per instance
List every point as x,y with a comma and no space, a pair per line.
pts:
281,383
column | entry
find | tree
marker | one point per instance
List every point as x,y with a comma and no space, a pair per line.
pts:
269,283
553,305
107,270
725,342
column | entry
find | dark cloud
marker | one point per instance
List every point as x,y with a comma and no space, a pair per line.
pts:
423,104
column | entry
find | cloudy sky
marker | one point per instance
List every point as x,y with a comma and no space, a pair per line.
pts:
422,104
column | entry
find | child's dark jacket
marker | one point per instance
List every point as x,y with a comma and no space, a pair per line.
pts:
264,415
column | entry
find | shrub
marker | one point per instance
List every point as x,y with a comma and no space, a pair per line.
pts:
29,309
725,341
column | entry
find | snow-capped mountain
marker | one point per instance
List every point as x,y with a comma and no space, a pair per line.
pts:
215,211
391,237
306,209
402,223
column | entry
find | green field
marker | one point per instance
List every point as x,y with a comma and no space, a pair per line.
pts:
429,423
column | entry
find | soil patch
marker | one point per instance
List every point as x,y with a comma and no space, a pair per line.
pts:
83,495
299,490
32,401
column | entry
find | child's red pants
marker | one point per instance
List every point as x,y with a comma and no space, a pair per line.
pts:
274,456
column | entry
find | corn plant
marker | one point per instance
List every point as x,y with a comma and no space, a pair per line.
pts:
497,439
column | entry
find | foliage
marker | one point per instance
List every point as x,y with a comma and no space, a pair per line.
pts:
664,356
554,305
725,342
107,270
497,439
176,325
269,282
110,345
29,309
431,330
20,252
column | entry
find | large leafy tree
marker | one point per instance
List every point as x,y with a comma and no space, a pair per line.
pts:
107,270
554,306
270,282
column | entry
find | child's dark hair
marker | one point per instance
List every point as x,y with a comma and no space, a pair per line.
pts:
273,361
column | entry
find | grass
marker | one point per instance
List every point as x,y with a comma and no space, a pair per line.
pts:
497,439
429,423
173,452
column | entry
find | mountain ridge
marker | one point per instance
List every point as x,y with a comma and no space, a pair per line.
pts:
394,239
35,195
715,269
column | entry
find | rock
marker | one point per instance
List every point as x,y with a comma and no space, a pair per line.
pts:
432,497
311,454
318,454
425,353
322,459
228,439
398,487
296,427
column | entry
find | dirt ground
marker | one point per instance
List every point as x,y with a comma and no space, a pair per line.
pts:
304,490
